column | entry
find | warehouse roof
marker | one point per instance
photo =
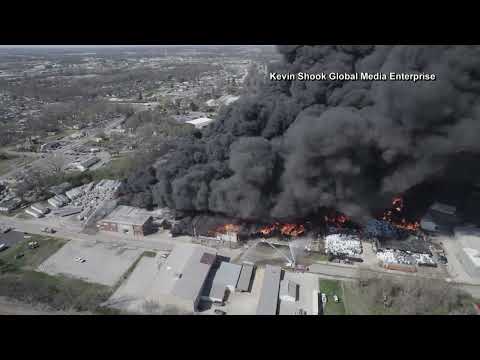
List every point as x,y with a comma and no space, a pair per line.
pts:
184,271
227,274
245,277
128,215
200,122
443,208
473,255
289,290
267,304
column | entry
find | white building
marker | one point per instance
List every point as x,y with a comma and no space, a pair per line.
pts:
200,123
181,279
224,282
469,255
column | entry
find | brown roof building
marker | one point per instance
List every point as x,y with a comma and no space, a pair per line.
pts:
127,220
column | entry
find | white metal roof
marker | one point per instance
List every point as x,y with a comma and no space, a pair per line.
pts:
200,121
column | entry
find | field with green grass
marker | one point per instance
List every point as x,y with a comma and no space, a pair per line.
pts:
21,257
331,288
20,281
412,296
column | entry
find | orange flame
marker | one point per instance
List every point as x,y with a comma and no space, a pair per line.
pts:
285,229
392,215
268,229
227,228
292,229
338,220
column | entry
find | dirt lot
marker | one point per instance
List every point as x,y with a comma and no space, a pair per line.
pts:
105,263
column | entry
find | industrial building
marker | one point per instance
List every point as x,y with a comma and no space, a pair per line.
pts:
440,218
225,281
40,208
268,302
85,165
127,220
60,189
67,211
200,123
469,255
58,201
288,290
181,278
8,205
37,210
245,278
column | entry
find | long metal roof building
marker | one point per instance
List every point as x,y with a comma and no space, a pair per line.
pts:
245,277
268,302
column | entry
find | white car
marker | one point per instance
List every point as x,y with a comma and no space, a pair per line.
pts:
80,259
3,247
335,298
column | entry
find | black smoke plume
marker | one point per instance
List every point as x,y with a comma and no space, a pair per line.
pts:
292,147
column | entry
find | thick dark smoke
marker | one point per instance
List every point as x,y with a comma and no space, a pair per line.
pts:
293,147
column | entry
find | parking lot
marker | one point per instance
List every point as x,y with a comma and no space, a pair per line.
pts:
104,263
134,292
11,238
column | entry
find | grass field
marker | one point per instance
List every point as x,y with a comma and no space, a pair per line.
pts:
331,288
31,258
4,166
317,257
20,281
431,297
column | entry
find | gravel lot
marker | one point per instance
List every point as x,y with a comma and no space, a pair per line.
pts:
105,263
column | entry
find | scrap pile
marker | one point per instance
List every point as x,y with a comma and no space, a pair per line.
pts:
8,200
424,259
91,196
343,244
395,257
390,256
382,229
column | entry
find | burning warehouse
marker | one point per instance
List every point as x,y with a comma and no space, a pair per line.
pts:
287,149
440,218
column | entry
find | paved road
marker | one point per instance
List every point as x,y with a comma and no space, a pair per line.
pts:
346,272
34,226
161,241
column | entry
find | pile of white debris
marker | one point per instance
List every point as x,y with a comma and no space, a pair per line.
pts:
91,196
391,256
343,244
424,259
